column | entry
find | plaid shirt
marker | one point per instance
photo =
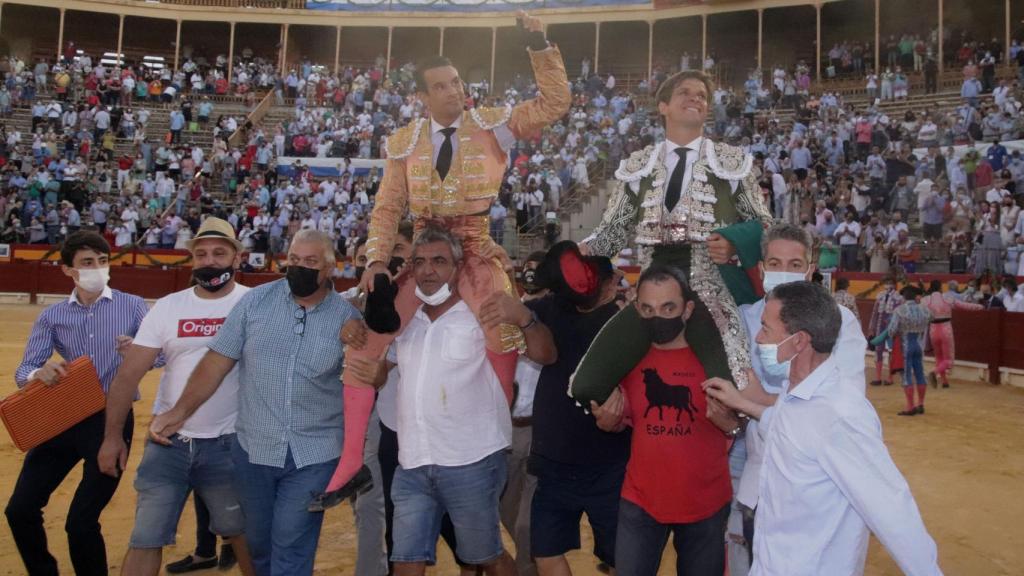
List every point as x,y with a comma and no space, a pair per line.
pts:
290,395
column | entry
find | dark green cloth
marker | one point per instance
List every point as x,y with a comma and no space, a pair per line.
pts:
623,342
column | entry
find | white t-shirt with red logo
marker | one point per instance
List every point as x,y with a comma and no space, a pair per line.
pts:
182,324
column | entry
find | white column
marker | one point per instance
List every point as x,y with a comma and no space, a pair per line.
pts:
942,64
1006,43
231,51
440,47
878,39
703,39
391,31
60,36
760,35
494,52
337,50
650,49
817,41
177,44
597,45
120,39
284,48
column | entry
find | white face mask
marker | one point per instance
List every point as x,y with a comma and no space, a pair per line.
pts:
93,280
437,298
774,279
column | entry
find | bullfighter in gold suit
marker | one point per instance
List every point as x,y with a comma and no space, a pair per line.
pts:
446,170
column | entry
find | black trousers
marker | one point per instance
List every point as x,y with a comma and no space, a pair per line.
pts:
387,455
44,469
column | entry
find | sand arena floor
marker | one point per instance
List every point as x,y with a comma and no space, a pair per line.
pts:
964,461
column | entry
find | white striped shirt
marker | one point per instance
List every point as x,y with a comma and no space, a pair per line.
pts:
74,330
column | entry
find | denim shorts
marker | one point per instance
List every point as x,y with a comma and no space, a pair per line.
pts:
164,479
469,494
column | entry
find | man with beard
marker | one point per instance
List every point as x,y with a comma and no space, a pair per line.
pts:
198,457
284,338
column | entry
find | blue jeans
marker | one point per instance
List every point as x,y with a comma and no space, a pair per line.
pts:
700,550
469,494
166,476
282,535
913,360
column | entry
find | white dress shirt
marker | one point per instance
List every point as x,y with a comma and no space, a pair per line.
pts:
848,354
451,408
671,159
827,479
502,133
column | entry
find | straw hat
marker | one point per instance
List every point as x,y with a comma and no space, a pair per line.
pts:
215,228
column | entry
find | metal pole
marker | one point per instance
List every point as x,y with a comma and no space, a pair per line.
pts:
337,51
597,45
440,47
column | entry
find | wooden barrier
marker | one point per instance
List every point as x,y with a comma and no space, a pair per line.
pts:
43,277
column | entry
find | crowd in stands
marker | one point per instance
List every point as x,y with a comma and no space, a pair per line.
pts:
878,190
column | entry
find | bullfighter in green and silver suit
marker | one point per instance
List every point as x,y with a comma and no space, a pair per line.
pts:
690,203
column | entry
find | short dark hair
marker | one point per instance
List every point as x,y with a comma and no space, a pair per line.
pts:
428,63
808,307
662,273
82,240
842,284
668,86
405,230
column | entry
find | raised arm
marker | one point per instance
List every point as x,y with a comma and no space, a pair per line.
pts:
549,71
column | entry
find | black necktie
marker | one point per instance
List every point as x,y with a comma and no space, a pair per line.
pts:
675,183
444,157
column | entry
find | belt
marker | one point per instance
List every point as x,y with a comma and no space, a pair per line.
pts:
522,422
941,320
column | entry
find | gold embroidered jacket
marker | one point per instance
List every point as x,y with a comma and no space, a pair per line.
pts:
411,182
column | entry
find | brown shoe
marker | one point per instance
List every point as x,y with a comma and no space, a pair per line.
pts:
911,412
933,380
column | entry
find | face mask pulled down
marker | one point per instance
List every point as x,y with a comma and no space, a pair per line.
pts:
437,298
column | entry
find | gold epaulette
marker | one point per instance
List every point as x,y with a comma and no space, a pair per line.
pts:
402,141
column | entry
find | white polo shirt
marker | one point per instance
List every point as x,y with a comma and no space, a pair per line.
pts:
451,409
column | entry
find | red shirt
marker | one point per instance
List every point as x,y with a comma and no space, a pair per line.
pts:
125,163
678,469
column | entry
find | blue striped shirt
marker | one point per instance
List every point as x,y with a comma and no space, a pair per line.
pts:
74,330
290,384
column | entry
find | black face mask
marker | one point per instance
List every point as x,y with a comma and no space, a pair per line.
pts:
663,330
303,281
212,278
359,272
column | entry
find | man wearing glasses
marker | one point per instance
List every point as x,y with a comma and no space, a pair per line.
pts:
284,338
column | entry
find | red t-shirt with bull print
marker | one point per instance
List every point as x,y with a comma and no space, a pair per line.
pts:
678,469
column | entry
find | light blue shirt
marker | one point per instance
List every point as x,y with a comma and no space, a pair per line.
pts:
290,395
827,480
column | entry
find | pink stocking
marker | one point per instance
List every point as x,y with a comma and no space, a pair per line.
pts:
358,406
